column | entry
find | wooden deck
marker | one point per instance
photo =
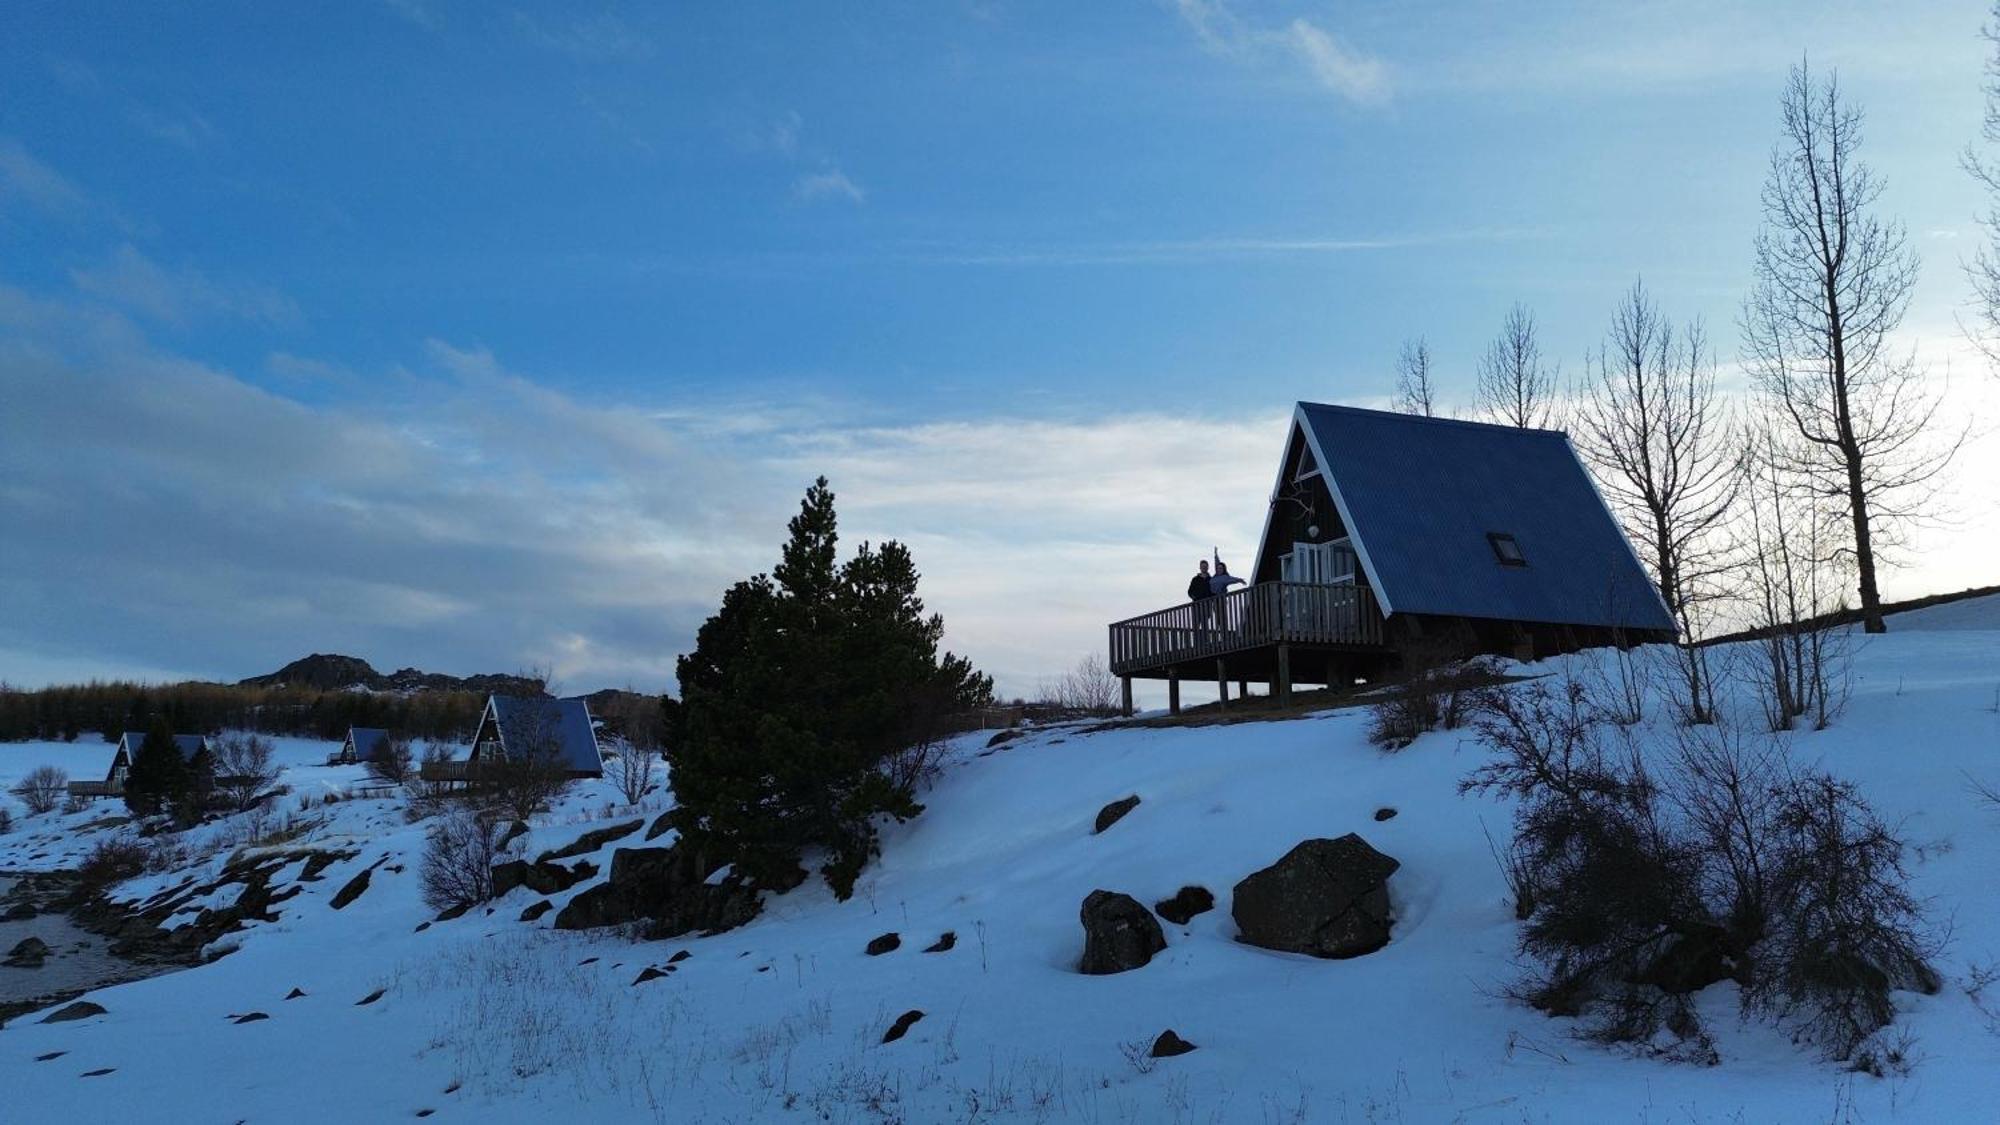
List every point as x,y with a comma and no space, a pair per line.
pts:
1272,632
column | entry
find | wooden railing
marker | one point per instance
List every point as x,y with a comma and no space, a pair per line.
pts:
1267,613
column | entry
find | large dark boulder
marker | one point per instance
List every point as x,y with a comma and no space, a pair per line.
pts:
592,840
1114,812
542,876
1118,934
1169,1045
1329,898
675,890
351,891
28,953
81,1010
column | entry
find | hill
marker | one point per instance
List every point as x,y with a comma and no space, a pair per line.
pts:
493,1018
333,672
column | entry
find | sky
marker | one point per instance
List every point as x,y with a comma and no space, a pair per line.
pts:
482,338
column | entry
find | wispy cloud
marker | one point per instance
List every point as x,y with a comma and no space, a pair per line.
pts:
1197,250
182,127
418,12
180,296
605,35
1334,64
828,183
28,181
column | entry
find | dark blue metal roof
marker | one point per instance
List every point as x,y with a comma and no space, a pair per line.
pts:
365,740
524,720
1423,496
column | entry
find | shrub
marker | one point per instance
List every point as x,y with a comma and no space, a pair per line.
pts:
1641,884
6,821
43,789
632,770
1437,692
111,861
458,860
244,768
391,761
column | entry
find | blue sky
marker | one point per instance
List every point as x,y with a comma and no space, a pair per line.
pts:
511,333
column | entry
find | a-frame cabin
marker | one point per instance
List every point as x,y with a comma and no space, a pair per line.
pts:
1386,533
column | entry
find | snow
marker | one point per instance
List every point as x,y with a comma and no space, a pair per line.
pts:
492,1019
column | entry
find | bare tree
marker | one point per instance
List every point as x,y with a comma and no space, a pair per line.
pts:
530,772
43,789
1088,688
1416,393
631,769
1515,386
1832,284
1649,421
391,761
1791,539
245,767
1984,269
457,871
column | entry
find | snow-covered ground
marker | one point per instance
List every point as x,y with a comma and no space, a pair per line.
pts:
488,1018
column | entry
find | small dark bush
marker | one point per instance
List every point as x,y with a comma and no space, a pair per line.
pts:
458,862
111,861
43,789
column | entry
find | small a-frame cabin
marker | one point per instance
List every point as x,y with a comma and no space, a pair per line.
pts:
113,784
1387,533
511,724
361,744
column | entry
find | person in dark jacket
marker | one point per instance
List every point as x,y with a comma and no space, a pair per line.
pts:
1198,586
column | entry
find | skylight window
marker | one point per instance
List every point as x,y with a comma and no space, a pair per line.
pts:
1505,549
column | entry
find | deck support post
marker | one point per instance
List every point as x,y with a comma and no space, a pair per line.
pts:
1173,691
1221,685
1242,689
1283,687
1125,694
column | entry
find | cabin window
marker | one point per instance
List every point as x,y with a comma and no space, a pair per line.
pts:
1505,549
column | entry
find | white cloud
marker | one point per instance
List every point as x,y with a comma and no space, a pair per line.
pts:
828,183
1335,65
183,127
27,180
180,296
602,36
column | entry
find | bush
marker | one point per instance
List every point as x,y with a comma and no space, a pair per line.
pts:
391,761
43,789
6,821
632,770
111,861
458,860
1436,693
1639,888
245,768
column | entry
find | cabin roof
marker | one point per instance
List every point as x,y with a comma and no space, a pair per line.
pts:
366,739
1433,505
569,720
189,744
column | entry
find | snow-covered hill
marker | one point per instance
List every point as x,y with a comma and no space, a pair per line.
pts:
491,1019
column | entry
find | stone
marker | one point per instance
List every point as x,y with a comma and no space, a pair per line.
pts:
351,891
650,973
902,1025
592,840
675,889
944,942
19,912
28,953
1385,813
1186,903
678,957
50,1056
451,913
370,998
1327,898
1168,1045
1695,959
514,832
887,943
81,1010
1114,812
536,910
295,994
660,825
99,1072
1118,934
251,1017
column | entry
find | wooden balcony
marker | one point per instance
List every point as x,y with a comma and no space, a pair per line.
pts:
1254,633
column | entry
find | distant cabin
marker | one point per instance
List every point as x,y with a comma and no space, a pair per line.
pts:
361,744
513,724
113,784
1389,535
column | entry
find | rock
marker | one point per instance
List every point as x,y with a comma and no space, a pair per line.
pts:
902,1025
81,1010
1329,898
370,998
1697,958
678,957
421,927
660,825
28,953
944,942
351,891
536,910
887,943
19,912
1168,1045
650,973
453,912
1385,814
251,1017
1004,737
51,1056
675,888
295,994
99,1072
1118,934
1114,812
592,840
1186,903
514,832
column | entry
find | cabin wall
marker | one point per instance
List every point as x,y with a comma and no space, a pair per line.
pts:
1302,512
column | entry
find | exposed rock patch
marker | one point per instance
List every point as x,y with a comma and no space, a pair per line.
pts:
1168,1045
592,840
28,953
1114,812
675,889
1118,934
943,944
351,891
1186,903
81,1010
887,943
1328,898
902,1025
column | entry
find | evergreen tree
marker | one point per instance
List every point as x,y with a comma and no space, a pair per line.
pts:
158,778
799,691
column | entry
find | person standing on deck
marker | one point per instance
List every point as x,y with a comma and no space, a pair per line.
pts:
1198,587
1218,585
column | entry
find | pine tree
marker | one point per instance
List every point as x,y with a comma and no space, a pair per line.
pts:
159,775
800,689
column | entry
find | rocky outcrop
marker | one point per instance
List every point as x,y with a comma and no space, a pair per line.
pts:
352,890
333,672
1186,903
81,1010
28,953
1118,934
592,840
1328,898
542,877
674,890
1114,812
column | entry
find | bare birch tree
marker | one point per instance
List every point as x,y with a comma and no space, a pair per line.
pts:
1791,539
1649,421
1984,269
1515,386
1416,393
1832,284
